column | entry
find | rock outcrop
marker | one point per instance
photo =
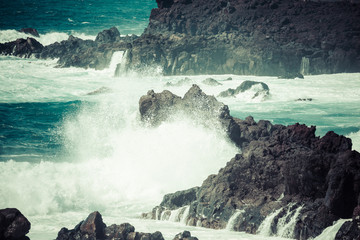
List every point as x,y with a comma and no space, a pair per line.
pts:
350,230
158,107
186,235
262,89
249,37
308,180
21,47
258,37
87,53
93,228
13,225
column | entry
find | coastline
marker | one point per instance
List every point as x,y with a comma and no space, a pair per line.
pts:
311,181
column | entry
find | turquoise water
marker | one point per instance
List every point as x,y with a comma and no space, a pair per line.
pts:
65,153
85,16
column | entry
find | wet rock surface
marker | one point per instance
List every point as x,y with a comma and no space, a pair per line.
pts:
350,230
253,37
309,179
13,225
87,53
261,89
283,38
93,228
21,47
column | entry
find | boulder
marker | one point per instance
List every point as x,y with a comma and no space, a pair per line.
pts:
93,226
156,108
108,36
262,89
185,235
180,83
211,82
13,225
21,47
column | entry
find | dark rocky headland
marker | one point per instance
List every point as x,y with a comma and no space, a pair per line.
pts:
309,180
257,37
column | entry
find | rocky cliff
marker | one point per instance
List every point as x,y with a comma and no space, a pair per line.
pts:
256,37
298,182
259,37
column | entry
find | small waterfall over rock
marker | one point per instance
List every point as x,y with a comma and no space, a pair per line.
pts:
120,67
178,215
286,225
233,219
329,233
281,222
305,66
265,227
116,60
185,215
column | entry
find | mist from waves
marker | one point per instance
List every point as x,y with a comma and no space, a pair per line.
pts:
110,162
109,158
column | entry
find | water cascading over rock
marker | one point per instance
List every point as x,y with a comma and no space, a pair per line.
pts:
297,182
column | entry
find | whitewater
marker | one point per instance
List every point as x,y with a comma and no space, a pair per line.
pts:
71,139
66,151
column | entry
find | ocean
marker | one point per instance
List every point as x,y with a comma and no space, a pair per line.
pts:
65,151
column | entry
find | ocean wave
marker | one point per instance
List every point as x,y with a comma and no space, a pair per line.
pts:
44,39
355,138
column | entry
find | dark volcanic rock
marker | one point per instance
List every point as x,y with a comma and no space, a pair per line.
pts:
93,228
316,180
13,225
108,36
158,107
211,82
186,235
263,90
87,53
279,38
31,31
350,230
179,199
21,47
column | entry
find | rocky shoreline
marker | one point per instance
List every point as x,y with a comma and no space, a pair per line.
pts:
15,226
285,181
253,37
284,174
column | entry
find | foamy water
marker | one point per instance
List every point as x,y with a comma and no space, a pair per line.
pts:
104,159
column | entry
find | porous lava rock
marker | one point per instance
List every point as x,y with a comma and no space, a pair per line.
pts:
314,179
13,225
93,228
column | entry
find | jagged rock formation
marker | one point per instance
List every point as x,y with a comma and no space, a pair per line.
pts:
73,51
93,228
252,37
260,37
87,53
21,47
262,90
313,180
13,225
158,107
350,230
